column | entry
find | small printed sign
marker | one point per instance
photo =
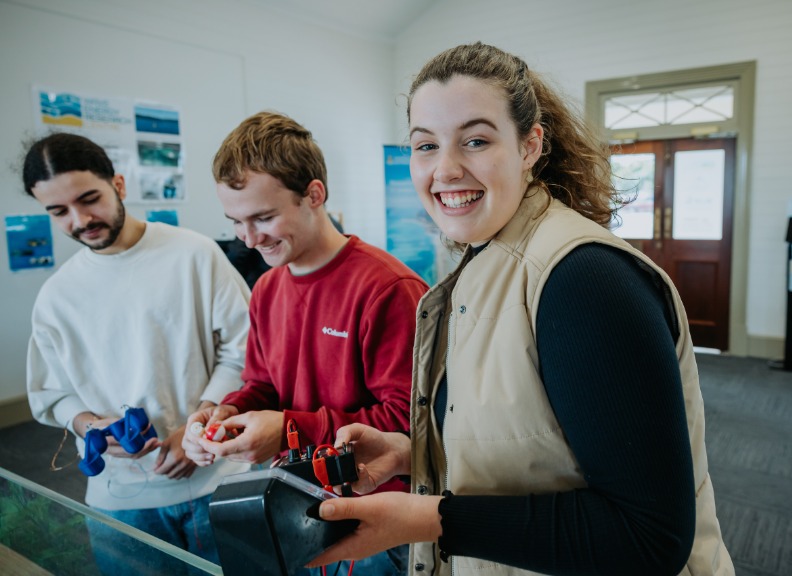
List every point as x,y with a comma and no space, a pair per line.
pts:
29,242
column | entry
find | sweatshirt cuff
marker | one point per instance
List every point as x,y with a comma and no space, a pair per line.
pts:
443,509
313,428
65,410
224,381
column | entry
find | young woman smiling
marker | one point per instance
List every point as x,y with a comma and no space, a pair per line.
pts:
557,425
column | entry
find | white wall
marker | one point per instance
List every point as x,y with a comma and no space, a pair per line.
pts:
221,61
575,41
218,62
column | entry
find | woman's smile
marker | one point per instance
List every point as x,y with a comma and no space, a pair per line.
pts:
459,199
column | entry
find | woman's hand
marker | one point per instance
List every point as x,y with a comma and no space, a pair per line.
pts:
386,520
379,456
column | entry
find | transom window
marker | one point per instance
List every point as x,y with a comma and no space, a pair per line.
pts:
669,108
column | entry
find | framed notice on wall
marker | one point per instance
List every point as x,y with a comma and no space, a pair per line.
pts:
143,139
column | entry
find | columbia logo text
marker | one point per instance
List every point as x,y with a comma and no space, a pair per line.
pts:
332,332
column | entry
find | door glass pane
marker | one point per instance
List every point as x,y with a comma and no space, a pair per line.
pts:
698,194
634,176
635,111
713,104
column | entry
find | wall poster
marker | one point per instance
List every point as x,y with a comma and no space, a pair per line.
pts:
29,242
412,236
167,216
142,139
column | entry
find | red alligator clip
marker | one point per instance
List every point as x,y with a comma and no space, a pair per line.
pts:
320,466
292,435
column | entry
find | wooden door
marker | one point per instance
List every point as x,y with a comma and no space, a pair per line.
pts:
681,217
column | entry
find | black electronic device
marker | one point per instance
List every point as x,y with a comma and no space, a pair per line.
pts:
338,468
266,523
323,465
786,363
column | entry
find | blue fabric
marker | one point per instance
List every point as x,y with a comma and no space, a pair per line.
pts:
184,525
391,562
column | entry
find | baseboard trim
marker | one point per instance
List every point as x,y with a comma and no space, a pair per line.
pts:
769,347
14,411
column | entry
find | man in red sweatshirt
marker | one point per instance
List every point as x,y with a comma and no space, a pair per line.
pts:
332,324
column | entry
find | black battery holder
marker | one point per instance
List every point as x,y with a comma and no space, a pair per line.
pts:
341,468
266,523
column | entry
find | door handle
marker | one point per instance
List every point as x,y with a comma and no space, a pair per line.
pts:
667,223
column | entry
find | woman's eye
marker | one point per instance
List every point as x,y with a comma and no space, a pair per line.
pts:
476,143
426,147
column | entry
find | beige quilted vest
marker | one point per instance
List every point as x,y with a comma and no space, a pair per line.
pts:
489,319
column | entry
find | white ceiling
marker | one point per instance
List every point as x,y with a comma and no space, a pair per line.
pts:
373,19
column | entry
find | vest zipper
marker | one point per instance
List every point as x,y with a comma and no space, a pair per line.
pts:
448,403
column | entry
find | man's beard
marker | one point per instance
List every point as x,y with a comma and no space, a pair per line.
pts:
114,228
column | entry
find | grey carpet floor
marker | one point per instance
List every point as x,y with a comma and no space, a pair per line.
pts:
749,445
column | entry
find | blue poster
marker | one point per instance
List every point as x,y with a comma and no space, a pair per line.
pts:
29,242
168,216
156,119
411,235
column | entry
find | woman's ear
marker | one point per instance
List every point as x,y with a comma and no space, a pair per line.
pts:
532,146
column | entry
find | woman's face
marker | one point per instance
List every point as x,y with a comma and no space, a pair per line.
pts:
468,165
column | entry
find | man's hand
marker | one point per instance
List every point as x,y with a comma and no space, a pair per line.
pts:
113,447
386,520
260,438
379,456
172,460
84,421
207,414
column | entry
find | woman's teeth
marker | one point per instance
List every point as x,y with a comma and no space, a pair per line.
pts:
457,200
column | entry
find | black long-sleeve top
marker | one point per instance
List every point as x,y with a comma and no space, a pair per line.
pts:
605,337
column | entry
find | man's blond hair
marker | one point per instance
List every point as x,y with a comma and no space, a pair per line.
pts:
273,144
